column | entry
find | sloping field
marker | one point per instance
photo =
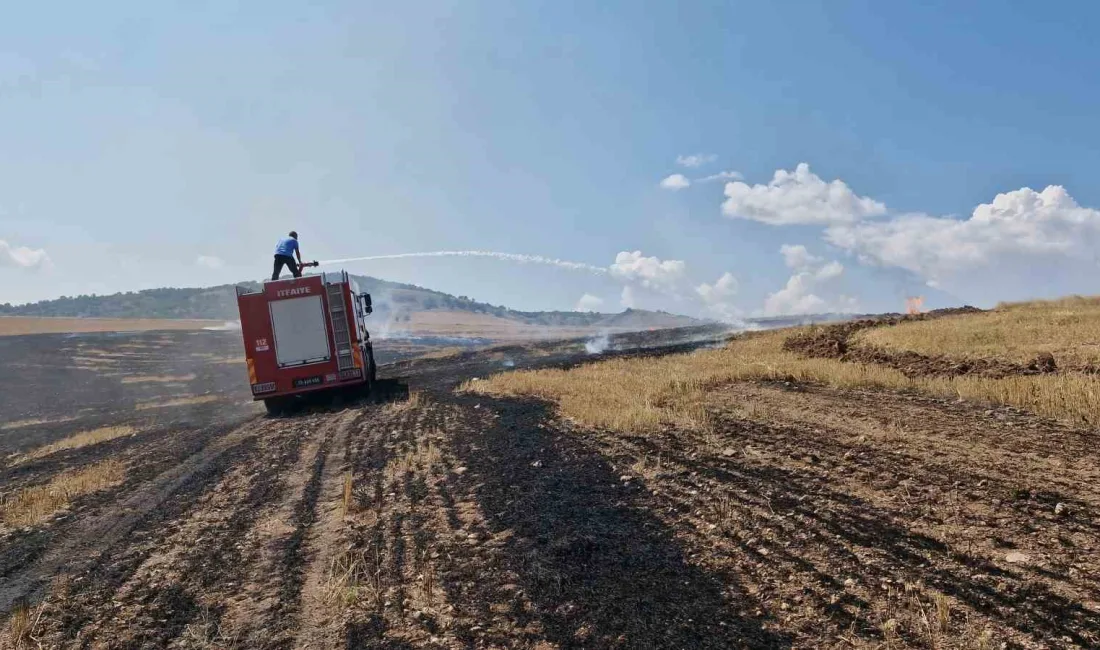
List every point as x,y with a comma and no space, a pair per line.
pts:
774,491
1067,329
16,325
485,326
459,324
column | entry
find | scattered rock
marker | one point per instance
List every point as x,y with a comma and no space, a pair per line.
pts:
849,583
537,463
1017,558
624,478
729,451
1061,509
1043,363
460,470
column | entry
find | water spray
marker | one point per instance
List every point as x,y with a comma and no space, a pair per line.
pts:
510,257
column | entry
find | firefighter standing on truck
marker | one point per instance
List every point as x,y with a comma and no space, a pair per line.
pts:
284,252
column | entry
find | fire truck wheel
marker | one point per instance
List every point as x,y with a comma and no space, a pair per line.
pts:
274,405
372,372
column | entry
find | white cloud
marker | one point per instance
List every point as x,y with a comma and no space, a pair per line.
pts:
675,182
651,272
721,176
588,302
210,262
798,197
628,300
1019,231
796,256
23,257
695,159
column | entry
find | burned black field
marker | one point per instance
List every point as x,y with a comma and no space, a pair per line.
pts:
149,503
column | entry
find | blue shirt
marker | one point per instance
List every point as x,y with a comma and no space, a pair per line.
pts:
286,246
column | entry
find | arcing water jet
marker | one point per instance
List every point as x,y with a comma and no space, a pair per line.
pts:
510,257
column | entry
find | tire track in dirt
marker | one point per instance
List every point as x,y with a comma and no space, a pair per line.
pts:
396,537
81,542
305,553
146,456
529,541
245,610
825,528
183,566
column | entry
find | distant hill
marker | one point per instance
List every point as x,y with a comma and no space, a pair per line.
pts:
394,301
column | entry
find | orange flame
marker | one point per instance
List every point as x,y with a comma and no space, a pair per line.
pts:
913,304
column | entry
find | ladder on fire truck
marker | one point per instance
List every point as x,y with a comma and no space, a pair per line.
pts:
337,307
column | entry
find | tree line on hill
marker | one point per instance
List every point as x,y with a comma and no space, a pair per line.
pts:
220,303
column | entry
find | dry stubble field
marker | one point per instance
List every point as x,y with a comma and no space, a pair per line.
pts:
785,490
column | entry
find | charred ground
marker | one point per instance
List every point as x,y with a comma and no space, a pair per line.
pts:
806,516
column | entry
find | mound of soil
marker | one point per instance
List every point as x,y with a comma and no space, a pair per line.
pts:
834,342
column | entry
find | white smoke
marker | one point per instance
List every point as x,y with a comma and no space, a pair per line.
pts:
210,262
23,257
588,302
510,257
811,275
598,344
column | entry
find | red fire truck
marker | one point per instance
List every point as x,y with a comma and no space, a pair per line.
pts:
303,335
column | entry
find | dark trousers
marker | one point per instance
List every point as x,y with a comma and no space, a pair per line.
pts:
288,261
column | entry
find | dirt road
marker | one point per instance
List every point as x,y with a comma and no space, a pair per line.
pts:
806,518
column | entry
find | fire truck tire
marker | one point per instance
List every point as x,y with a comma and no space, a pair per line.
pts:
372,373
274,405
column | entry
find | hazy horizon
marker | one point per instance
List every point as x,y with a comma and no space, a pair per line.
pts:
722,161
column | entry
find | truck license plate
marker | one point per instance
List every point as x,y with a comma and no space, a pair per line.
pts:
263,388
307,381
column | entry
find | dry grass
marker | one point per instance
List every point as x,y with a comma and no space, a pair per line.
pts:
414,401
471,325
19,424
205,632
445,353
646,393
18,631
82,439
355,576
349,494
182,401
17,325
1068,328
33,505
19,628
159,379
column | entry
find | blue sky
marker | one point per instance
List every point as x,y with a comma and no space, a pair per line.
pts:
135,139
